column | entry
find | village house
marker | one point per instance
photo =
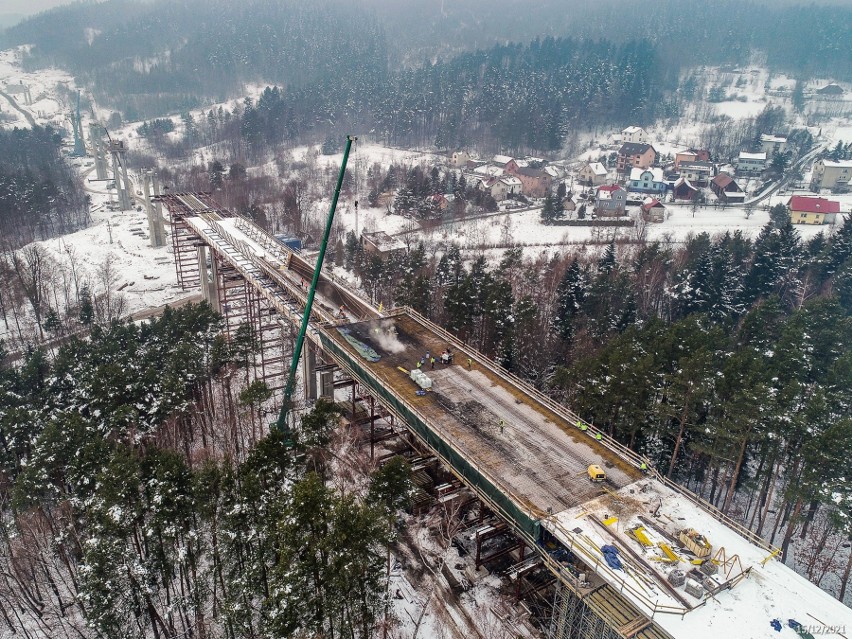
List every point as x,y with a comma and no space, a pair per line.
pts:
699,173
509,165
647,181
652,210
812,210
751,163
683,189
592,174
534,182
830,174
611,201
632,154
502,187
381,244
771,144
459,159
830,90
691,155
634,134
726,189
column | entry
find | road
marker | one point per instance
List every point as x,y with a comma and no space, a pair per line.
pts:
776,186
17,107
145,313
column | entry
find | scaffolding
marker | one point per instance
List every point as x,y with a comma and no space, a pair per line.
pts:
241,304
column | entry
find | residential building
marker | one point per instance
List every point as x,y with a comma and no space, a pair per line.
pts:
592,174
634,134
611,201
502,187
691,155
812,210
831,90
726,189
535,182
697,172
459,159
684,190
771,144
633,154
751,163
652,210
381,244
509,165
831,174
647,181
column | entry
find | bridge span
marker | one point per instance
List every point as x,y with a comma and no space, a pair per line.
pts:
522,455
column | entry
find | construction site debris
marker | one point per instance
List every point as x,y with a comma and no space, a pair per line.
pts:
365,351
694,542
610,553
677,577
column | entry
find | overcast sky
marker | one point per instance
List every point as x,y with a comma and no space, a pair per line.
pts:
28,7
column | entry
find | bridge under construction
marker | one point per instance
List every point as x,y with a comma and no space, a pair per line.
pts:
633,556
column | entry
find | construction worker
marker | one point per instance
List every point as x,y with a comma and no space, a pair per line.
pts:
469,363
420,364
598,436
432,361
643,467
501,426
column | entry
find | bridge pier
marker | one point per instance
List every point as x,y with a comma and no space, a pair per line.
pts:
209,283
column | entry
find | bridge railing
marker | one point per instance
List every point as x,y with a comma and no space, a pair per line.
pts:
283,253
572,418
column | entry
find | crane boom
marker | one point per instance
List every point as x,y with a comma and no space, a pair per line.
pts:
281,423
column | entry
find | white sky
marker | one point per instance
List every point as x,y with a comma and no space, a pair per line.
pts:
28,7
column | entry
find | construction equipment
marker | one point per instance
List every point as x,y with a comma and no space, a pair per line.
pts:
281,423
696,543
638,533
596,473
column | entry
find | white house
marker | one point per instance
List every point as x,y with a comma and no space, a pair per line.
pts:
647,180
459,159
593,174
751,163
634,134
832,174
773,144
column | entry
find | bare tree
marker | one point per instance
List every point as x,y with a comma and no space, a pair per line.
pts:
34,269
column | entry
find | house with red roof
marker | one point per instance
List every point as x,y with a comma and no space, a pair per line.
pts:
812,210
653,210
726,189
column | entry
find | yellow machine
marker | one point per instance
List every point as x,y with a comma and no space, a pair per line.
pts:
596,473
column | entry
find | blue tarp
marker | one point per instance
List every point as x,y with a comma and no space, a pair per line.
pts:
610,553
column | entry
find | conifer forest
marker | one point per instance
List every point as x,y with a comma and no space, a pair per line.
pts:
146,489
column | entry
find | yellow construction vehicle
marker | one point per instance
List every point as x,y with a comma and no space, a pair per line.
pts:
596,473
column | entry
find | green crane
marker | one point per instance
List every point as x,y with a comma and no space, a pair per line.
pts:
281,423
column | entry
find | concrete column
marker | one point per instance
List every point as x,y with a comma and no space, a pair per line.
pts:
149,210
309,371
127,195
327,385
158,211
203,273
214,286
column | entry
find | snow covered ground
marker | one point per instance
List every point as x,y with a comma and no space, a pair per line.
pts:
769,590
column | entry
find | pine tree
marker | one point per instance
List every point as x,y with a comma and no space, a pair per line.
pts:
569,300
87,309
